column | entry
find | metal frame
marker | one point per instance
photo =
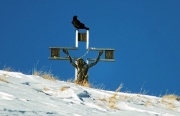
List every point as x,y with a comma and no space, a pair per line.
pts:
82,37
106,50
59,54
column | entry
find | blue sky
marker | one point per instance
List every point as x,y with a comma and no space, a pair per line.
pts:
144,33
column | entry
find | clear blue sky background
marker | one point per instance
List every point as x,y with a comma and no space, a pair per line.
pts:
145,34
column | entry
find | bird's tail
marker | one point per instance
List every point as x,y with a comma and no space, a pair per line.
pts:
86,28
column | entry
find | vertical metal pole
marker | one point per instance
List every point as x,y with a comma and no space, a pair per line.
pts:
76,38
87,61
87,43
76,47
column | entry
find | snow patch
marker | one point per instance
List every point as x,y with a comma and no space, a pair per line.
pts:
27,95
6,96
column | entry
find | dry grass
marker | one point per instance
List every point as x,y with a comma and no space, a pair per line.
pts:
148,103
2,80
168,101
70,80
171,97
99,86
63,88
44,74
9,69
112,102
85,83
113,99
46,89
103,99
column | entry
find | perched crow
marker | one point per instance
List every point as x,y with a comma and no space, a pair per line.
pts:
77,24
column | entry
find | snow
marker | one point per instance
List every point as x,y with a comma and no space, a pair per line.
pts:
29,95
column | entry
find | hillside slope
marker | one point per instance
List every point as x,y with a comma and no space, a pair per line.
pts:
26,95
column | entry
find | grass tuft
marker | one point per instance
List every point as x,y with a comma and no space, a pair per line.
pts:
168,101
46,75
84,83
171,97
113,99
71,80
7,68
2,80
63,88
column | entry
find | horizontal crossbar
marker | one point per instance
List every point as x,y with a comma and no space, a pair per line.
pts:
103,60
61,58
98,49
68,48
89,59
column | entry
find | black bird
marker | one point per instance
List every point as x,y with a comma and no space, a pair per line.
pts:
77,24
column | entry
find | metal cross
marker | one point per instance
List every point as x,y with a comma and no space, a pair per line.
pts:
55,53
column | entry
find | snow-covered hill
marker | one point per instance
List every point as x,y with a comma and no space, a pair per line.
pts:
29,95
